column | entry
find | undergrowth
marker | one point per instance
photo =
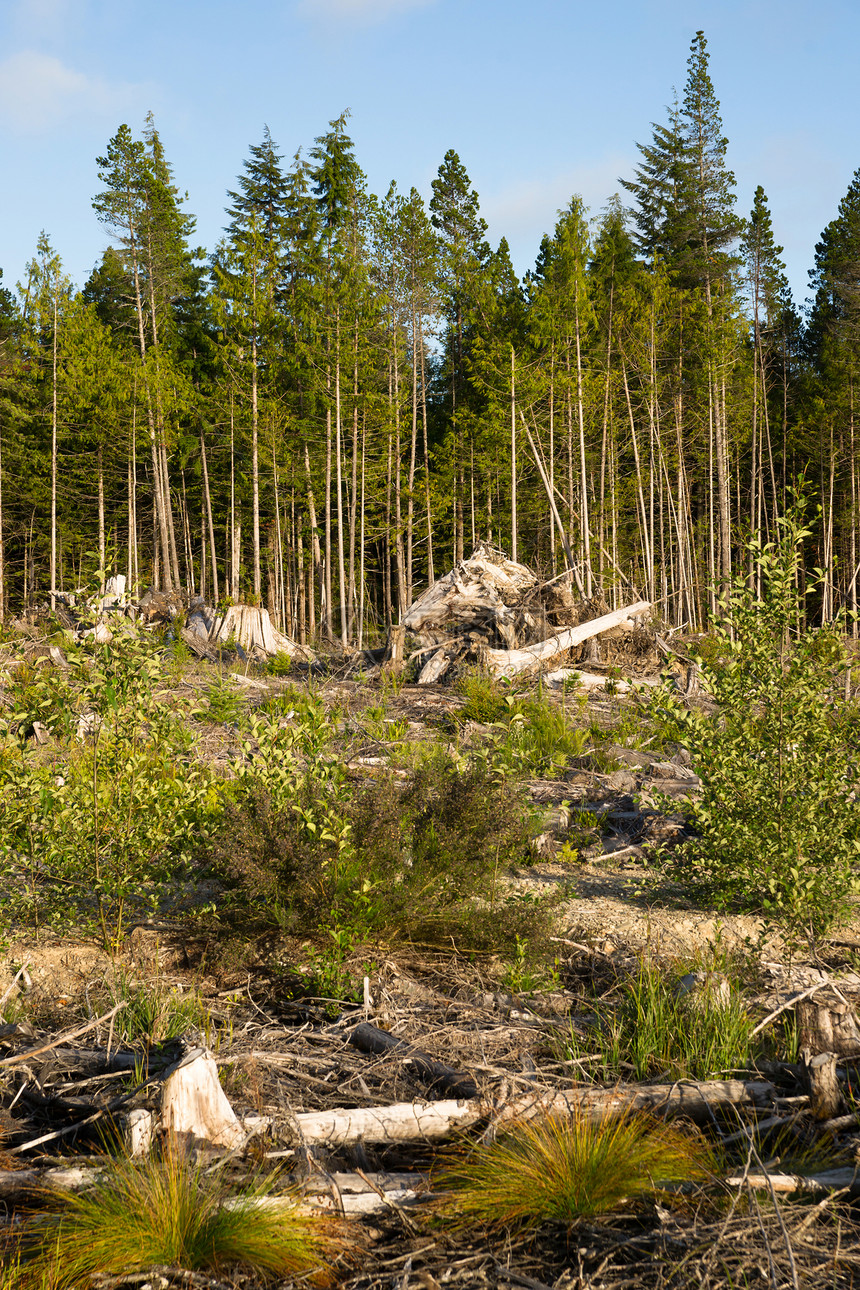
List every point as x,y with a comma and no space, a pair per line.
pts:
650,1026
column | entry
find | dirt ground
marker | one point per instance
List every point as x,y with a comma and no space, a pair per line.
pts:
281,1049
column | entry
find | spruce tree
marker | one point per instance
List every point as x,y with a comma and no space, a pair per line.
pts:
464,254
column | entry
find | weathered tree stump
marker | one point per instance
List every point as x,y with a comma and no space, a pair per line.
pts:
392,663
825,1095
827,1026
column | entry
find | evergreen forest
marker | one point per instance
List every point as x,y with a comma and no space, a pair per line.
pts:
324,411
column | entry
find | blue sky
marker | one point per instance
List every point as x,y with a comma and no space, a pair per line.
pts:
539,100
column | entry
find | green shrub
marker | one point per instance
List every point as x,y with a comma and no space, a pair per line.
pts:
422,856
486,701
106,827
778,821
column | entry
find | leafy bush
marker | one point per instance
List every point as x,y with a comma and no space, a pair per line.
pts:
778,819
562,1170
103,827
423,856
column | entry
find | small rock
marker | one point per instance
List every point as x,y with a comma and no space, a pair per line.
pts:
622,781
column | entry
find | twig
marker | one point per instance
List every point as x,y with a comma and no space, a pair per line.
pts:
9,988
62,1039
797,998
779,1217
398,1209
519,1278
59,1133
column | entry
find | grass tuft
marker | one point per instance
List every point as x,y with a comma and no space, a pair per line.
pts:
169,1213
560,1170
652,1029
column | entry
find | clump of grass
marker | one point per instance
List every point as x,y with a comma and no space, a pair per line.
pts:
154,1013
169,1213
486,702
651,1027
560,1170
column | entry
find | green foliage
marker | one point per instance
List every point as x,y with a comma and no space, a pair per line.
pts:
778,821
486,701
104,832
652,1027
224,705
531,736
415,856
565,1170
280,664
169,1213
155,1012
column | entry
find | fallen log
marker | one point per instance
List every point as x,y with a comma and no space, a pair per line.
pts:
845,1179
432,1121
512,662
350,1194
437,1076
586,680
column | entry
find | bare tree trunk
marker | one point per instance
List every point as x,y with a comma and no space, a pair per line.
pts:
513,459
586,535
54,457
207,497
255,463
316,554
101,504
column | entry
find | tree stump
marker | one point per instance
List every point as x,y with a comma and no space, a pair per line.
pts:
825,1095
827,1026
392,664
195,1107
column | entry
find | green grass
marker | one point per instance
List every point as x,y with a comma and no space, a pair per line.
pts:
560,1170
154,1013
168,1213
650,1028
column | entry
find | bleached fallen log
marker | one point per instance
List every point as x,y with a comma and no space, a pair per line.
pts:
435,667
342,1193
193,1103
432,1121
501,662
828,1180
586,680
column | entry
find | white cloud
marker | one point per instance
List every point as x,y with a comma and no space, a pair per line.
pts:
356,12
37,91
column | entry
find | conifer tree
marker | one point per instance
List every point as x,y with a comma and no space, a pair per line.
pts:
464,253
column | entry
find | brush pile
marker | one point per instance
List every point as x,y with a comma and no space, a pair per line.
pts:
494,612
